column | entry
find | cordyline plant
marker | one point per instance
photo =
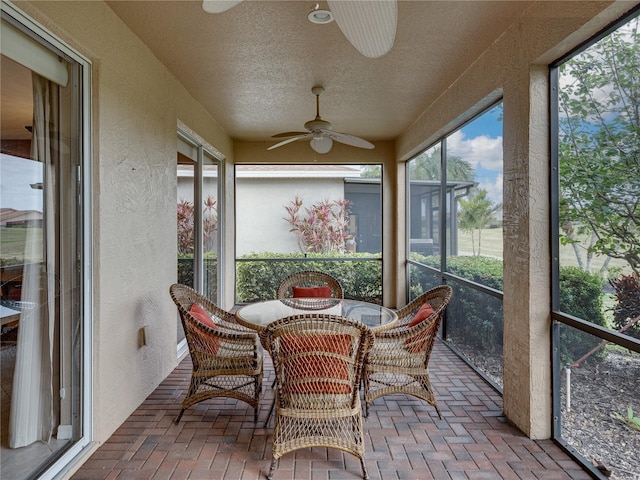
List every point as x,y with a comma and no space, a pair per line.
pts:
320,228
186,223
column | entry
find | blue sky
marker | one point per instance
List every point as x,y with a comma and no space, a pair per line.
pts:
480,143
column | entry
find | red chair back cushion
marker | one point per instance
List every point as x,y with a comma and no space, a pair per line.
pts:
313,373
417,343
312,292
202,315
207,343
423,313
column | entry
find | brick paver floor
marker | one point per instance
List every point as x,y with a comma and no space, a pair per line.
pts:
405,439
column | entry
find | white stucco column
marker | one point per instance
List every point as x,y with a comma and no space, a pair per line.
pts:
527,358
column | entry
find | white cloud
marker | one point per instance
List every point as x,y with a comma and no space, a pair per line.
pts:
493,186
481,151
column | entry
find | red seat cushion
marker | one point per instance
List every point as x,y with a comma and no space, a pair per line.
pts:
207,343
423,313
312,292
312,373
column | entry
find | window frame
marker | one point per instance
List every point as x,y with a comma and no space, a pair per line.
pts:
558,317
201,149
442,273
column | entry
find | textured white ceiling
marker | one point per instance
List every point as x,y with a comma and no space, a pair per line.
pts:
253,66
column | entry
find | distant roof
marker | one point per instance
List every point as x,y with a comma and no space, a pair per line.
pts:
10,214
297,171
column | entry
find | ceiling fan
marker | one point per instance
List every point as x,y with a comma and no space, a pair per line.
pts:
369,25
320,132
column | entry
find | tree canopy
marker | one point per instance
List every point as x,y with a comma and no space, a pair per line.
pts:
599,148
427,166
476,213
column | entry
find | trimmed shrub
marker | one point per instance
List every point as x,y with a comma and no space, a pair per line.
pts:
472,316
185,272
258,280
581,295
476,318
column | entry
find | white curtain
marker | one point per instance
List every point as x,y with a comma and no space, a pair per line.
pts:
32,405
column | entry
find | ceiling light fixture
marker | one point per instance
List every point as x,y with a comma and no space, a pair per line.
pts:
321,144
319,16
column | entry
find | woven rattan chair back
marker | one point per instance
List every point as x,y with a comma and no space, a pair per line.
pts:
399,359
309,278
318,361
226,358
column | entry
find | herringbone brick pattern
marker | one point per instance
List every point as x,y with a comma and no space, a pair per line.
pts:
405,439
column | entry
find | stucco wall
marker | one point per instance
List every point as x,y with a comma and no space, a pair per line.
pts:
260,202
136,106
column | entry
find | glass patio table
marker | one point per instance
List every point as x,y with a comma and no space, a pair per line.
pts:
9,315
260,314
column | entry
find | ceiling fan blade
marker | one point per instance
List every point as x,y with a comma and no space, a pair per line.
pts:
218,6
370,25
288,134
349,139
290,140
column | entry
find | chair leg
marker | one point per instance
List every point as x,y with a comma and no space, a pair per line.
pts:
271,469
437,410
266,422
364,386
177,420
365,475
257,390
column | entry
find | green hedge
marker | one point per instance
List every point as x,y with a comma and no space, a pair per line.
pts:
472,316
476,317
185,273
581,295
259,279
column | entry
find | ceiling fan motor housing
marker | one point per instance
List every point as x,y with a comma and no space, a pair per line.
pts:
317,124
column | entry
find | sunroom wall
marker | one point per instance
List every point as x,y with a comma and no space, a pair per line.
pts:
515,68
136,107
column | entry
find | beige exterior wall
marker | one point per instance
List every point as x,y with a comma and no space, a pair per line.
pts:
137,104
261,224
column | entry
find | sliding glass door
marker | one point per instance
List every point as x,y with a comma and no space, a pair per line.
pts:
41,251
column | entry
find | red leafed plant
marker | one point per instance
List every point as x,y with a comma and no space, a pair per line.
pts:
320,228
627,291
185,215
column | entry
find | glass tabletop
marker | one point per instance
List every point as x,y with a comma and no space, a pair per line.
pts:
258,315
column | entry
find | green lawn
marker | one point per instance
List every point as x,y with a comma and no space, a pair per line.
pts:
12,243
491,246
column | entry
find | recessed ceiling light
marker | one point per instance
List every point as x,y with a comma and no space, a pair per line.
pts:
319,16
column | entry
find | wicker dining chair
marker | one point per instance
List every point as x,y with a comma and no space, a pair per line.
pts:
312,282
226,356
318,362
399,359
